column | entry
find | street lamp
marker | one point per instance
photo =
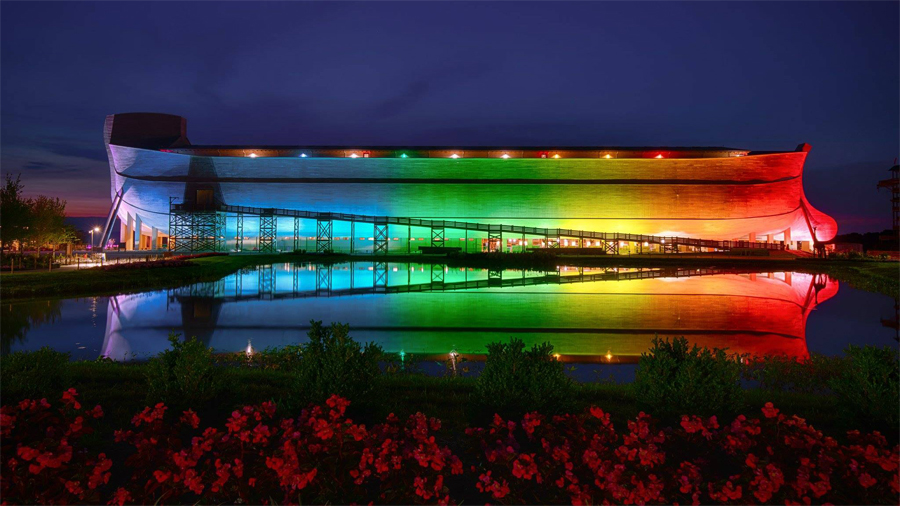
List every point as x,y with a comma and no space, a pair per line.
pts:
95,229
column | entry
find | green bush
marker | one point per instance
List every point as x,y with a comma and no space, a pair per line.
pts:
185,375
333,363
783,373
675,378
34,374
869,384
516,380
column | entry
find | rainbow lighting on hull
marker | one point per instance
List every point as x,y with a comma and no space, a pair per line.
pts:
369,198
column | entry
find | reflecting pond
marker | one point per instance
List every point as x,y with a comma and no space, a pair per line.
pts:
602,315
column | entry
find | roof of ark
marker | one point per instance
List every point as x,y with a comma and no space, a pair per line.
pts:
457,152
168,133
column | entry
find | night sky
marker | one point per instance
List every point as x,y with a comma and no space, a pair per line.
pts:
761,76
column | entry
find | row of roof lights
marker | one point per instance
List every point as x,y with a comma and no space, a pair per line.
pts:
505,156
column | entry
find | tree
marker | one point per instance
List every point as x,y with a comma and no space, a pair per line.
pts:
48,225
15,212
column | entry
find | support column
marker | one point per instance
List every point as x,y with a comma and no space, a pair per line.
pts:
323,236
137,233
752,237
129,233
268,231
437,237
154,238
787,238
770,238
239,241
381,239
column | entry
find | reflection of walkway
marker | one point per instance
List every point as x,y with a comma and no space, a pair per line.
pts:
381,277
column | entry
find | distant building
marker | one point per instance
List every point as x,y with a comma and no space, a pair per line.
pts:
397,198
893,185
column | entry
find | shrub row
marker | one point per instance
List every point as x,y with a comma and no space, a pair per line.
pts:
672,378
321,456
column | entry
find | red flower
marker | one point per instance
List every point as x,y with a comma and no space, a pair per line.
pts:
190,418
524,467
161,476
866,480
531,421
769,410
323,429
120,497
68,398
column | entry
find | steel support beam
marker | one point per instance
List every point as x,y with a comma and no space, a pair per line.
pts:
324,236
239,240
191,232
437,236
268,231
381,239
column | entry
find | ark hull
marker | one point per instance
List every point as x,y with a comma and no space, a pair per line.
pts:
710,194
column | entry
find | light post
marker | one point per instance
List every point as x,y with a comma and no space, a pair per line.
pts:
95,229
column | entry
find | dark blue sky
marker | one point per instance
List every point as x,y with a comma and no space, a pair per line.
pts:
759,76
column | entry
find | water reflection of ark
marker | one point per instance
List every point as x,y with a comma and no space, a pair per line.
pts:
588,315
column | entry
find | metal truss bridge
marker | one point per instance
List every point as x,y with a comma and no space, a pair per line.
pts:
192,230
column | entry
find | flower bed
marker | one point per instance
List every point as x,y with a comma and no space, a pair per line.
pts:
50,455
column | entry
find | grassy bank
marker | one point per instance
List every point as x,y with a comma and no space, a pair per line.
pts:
858,391
121,390
880,277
